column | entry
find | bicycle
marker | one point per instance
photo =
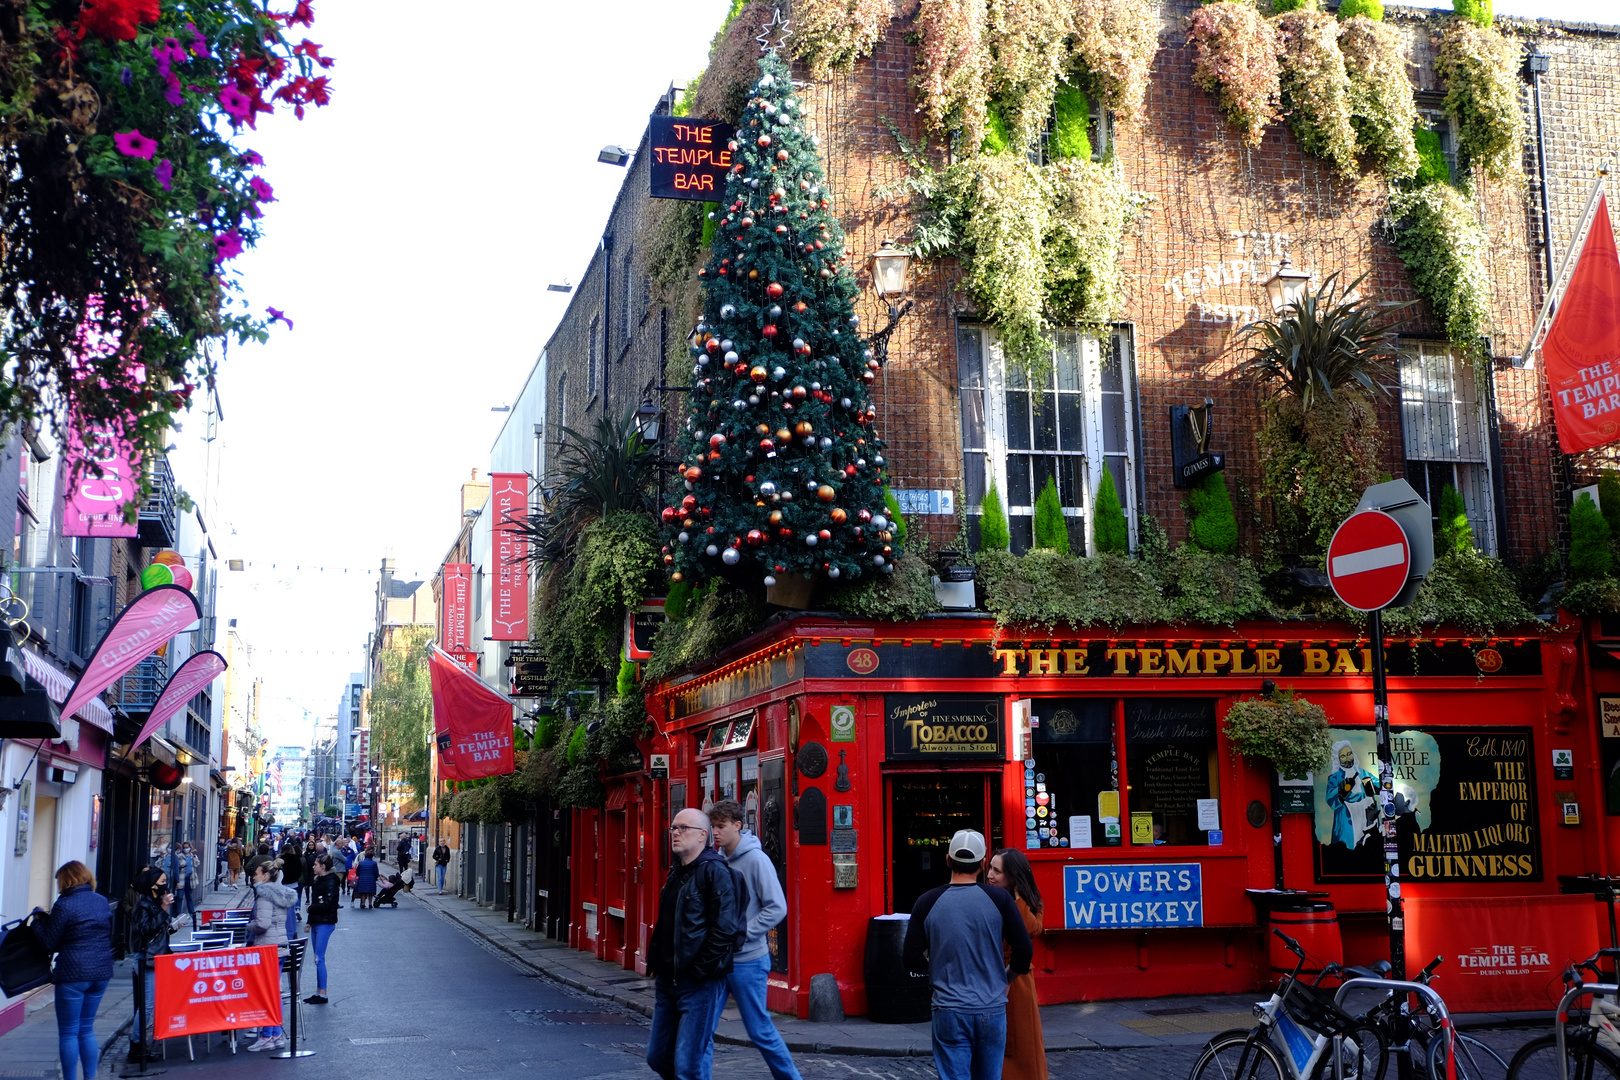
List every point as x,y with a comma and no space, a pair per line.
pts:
1407,1025
1292,1038
1590,1051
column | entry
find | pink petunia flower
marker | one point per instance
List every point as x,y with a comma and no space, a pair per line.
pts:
172,94
262,191
164,173
227,245
252,157
277,315
133,144
235,103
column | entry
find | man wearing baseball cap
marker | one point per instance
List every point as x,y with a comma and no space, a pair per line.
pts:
960,927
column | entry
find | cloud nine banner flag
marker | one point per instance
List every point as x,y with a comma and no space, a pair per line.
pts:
186,683
473,723
150,620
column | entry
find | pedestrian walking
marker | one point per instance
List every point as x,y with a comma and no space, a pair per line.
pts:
149,929
272,903
79,931
312,856
960,928
1025,1056
441,860
233,859
365,879
694,944
262,854
292,876
323,909
184,880
766,907
403,849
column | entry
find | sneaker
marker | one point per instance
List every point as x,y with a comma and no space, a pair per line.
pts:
315,999
268,1044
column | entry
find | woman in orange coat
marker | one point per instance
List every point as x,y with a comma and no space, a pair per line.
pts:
1026,1046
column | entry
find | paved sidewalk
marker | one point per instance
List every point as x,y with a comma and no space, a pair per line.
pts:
1095,1025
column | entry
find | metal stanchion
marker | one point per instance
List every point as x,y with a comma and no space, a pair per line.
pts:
295,961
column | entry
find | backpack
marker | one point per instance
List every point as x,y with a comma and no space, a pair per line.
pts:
739,889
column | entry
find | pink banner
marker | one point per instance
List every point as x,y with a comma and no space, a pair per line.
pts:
509,499
456,605
94,505
150,621
185,684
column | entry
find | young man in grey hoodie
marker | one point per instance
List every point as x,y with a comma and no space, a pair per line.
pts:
766,907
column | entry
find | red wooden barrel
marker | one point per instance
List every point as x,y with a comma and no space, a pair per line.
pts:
1315,925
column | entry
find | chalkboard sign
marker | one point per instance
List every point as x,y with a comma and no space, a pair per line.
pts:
813,818
943,727
1473,794
690,157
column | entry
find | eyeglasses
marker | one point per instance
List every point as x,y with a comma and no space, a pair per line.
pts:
685,828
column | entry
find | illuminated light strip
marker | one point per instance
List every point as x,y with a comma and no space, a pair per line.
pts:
1359,562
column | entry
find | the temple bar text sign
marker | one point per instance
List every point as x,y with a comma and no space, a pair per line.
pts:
690,157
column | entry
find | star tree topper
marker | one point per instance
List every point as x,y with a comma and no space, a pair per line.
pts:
780,26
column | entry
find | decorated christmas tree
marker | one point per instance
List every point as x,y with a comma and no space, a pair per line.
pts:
783,470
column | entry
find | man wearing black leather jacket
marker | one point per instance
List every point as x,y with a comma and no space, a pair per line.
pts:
693,944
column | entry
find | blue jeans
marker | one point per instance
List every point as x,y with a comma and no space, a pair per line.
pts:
184,903
76,1004
319,936
144,996
969,1046
440,868
747,984
292,922
681,1046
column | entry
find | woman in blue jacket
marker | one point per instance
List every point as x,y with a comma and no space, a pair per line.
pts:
365,879
79,931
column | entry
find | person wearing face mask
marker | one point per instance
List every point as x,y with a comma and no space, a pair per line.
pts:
183,879
149,929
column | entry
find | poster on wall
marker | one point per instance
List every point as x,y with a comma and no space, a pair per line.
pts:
1470,802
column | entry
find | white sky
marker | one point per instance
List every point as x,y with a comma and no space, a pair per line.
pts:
419,219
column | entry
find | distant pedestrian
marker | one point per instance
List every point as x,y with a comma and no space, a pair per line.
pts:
766,907
403,849
272,903
259,856
233,859
365,880
79,931
292,876
1025,1057
312,856
149,929
323,909
960,927
183,880
693,947
441,859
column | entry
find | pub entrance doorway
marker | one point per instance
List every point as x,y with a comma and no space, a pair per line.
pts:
925,810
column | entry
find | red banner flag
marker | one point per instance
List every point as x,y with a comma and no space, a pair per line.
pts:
186,683
219,990
150,620
509,500
473,723
457,583
1582,350
1503,953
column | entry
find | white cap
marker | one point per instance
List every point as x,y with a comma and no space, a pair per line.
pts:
967,846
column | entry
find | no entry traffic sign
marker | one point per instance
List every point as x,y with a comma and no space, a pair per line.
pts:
1368,560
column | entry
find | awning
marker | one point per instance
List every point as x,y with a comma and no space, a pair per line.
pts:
58,684
163,750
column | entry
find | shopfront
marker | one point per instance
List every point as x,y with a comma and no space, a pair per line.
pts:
859,749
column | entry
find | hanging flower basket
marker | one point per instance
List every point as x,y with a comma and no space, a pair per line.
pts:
1283,728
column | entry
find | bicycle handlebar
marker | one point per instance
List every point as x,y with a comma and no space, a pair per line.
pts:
1293,946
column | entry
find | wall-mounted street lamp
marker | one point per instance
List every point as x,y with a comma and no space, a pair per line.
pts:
888,271
647,420
613,155
1286,285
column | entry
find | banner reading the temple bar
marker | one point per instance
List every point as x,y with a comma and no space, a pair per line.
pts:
509,500
186,683
150,620
1582,349
474,720
457,578
93,505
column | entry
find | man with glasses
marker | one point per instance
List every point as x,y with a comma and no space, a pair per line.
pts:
693,946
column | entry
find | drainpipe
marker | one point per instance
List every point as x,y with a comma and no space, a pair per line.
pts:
1538,64
607,314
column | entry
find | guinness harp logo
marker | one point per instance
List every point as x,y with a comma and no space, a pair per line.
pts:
1190,428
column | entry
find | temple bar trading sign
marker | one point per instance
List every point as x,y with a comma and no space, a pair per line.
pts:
690,157
1472,799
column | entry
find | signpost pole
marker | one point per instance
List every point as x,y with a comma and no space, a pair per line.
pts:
1386,799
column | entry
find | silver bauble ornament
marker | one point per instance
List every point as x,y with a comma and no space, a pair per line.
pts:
769,581
731,359
810,541
879,522
832,571
713,550
767,488
728,311
730,556
854,320
877,560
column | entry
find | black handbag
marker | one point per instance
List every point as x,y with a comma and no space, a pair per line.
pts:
24,961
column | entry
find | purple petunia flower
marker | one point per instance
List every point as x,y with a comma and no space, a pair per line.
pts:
236,103
164,173
127,77
227,245
172,94
252,158
199,44
278,314
133,144
262,191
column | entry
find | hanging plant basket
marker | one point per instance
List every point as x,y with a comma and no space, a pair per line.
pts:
1283,728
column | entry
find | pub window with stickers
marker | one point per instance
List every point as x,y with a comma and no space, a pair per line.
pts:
1081,422
1171,766
1445,431
1070,790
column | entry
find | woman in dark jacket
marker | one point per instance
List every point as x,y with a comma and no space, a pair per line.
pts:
323,909
149,928
79,931
365,879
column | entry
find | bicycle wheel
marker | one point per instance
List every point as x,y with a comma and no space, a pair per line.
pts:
1538,1059
1475,1060
1224,1058
1366,1055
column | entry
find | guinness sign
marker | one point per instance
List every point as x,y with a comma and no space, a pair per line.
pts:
1189,443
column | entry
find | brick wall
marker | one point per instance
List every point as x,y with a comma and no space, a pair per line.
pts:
1220,214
